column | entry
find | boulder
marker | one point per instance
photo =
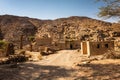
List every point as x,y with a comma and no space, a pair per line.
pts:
34,56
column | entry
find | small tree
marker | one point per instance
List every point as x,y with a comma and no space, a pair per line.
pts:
7,48
21,41
3,44
31,39
111,9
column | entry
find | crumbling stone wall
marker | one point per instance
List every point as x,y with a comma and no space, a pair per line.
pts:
44,41
72,44
59,46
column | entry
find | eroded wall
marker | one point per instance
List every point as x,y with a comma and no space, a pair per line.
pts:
44,41
72,44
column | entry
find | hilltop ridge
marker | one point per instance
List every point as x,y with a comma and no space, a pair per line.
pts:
11,27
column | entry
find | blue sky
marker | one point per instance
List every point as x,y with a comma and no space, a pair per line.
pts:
50,9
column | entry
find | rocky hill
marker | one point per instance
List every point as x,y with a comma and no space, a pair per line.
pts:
83,28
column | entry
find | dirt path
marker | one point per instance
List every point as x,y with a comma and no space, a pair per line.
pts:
61,58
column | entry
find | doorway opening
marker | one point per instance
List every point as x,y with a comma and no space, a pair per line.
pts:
71,46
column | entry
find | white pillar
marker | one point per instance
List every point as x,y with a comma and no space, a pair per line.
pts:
82,48
88,49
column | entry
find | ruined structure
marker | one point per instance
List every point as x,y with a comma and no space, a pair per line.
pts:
67,45
66,40
44,40
72,44
96,48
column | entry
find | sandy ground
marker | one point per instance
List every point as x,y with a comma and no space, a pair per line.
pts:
61,58
64,65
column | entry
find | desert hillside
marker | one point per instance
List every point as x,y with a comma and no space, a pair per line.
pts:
83,28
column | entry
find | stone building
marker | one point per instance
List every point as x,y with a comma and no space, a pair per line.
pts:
96,48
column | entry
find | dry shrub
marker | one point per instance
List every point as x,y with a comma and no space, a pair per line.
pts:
112,54
18,58
14,59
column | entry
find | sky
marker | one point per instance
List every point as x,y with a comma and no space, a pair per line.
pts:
51,9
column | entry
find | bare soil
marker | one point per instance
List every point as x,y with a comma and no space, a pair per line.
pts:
64,65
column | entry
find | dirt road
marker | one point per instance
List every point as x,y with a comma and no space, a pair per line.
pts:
61,58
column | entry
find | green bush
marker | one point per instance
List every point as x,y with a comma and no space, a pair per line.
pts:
3,44
31,38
